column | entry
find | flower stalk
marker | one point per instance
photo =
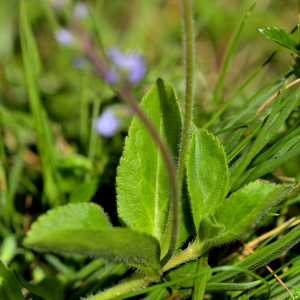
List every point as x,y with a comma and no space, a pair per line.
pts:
189,55
102,69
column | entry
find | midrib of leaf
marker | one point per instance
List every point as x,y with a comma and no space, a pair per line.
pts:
149,213
158,232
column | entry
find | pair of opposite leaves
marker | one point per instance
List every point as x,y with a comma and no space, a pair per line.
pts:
143,197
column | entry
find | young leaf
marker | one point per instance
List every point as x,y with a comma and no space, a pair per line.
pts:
9,289
142,179
243,209
207,174
280,36
83,228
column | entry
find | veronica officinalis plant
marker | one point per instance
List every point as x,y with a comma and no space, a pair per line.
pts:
180,191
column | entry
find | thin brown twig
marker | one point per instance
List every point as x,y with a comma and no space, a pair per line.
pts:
271,271
274,96
174,296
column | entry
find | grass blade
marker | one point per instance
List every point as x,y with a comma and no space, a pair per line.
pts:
44,138
229,57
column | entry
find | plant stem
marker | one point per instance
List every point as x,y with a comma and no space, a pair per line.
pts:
101,67
195,250
135,282
186,6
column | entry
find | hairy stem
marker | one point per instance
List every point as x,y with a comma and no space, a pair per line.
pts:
188,34
135,282
194,251
100,66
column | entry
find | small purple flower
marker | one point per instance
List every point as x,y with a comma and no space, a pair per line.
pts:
64,36
132,63
107,124
81,11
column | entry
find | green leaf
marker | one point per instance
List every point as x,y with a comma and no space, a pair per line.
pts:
9,289
157,295
35,289
266,133
226,287
280,36
267,167
49,283
207,174
142,179
71,216
243,209
29,39
263,256
228,60
83,228
239,126
76,161
85,192
290,138
185,270
45,139
8,247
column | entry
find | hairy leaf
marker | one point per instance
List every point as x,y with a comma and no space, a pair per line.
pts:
242,210
9,289
279,36
207,174
83,228
142,180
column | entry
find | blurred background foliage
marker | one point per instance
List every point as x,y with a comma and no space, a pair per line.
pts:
82,164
